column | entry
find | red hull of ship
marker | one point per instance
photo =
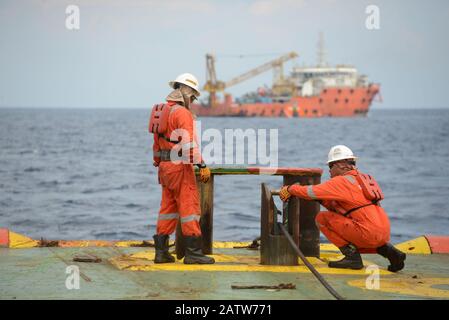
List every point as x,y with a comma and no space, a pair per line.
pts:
332,102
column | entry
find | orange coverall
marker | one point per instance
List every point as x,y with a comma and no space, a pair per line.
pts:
367,228
179,190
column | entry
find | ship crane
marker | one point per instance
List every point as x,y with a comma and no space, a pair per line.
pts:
279,82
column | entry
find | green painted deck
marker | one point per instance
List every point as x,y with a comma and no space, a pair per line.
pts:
40,273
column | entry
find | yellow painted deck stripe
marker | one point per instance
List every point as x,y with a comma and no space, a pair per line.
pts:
419,245
230,244
328,247
143,261
180,267
132,243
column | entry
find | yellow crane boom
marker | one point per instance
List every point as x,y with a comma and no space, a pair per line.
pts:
213,85
260,69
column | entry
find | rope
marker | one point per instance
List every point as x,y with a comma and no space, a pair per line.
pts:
308,264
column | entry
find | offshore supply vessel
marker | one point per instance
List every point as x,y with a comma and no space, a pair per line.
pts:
316,91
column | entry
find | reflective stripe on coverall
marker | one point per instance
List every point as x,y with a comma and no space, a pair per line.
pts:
179,190
367,228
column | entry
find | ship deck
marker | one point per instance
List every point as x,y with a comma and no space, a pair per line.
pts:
127,272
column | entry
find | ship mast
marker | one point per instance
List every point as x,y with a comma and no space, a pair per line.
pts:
321,54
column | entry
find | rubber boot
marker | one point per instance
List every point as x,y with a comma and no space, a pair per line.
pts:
161,245
352,259
194,253
395,256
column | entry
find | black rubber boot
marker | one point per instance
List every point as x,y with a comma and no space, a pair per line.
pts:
395,256
352,259
161,245
194,253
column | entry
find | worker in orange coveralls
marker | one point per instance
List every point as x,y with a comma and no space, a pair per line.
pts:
175,153
354,223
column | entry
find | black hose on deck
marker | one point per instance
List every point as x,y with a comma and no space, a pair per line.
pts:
308,264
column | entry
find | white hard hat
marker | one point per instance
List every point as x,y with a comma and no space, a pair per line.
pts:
189,80
340,152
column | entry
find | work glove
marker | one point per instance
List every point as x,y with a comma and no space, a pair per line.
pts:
284,194
204,174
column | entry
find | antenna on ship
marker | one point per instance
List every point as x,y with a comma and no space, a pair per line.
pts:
321,52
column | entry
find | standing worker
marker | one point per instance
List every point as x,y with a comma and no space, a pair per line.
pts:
175,152
355,222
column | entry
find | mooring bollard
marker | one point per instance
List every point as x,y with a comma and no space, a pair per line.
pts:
309,234
306,231
274,246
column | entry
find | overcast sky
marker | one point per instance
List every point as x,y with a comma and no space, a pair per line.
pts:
125,52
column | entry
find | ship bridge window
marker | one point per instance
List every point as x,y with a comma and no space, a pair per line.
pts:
321,100
325,90
346,100
339,91
351,91
336,101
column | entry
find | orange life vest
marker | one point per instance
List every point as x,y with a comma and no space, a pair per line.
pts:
371,190
370,187
159,118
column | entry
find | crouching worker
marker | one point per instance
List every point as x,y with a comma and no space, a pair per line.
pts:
175,152
355,222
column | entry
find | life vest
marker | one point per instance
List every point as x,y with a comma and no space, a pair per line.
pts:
370,187
371,190
159,119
